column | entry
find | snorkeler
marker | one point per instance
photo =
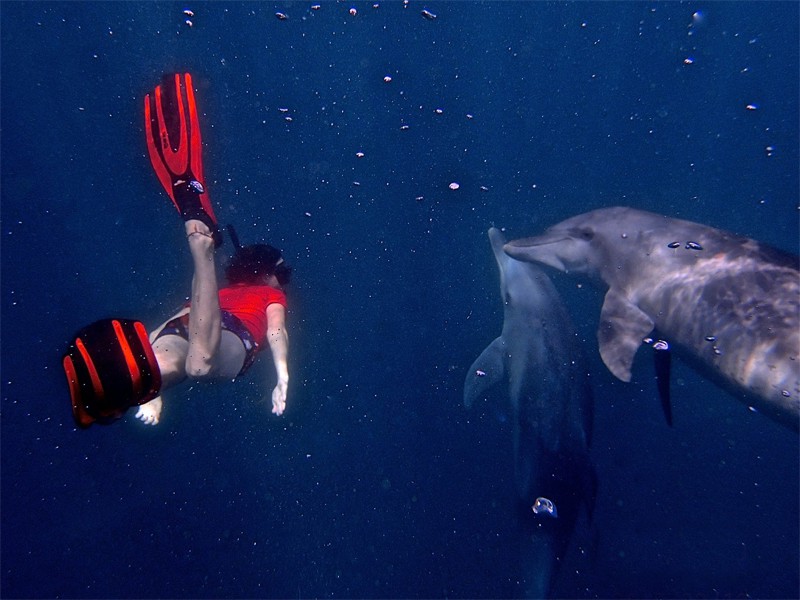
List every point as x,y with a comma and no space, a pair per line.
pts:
112,365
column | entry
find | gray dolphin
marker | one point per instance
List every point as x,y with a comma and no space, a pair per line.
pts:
540,356
731,302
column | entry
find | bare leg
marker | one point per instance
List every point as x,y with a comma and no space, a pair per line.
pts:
204,317
177,359
170,352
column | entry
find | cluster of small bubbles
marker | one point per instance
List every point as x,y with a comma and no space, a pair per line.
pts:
545,506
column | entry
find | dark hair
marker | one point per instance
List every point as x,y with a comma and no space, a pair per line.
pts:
252,263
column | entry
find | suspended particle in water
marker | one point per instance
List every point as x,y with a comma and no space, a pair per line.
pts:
281,16
196,186
387,78
661,345
427,14
454,186
693,246
543,506
674,245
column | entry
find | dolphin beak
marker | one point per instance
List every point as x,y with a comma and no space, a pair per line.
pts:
541,249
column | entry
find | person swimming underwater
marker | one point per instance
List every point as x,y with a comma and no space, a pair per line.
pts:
112,365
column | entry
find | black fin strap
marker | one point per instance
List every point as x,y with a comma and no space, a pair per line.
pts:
234,238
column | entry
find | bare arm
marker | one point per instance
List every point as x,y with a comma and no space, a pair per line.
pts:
278,339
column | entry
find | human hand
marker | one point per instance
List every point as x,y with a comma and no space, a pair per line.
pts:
279,397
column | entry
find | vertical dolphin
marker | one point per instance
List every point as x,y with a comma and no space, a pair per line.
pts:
540,357
731,303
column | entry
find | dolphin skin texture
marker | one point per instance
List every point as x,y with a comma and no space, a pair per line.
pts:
731,303
539,357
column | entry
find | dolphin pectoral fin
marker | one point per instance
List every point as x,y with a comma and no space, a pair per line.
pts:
590,491
662,359
623,325
485,372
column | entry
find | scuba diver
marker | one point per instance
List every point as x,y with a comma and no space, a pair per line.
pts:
113,364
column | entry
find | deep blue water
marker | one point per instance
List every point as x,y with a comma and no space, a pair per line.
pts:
377,482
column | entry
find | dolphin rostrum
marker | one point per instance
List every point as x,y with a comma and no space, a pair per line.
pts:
729,301
540,357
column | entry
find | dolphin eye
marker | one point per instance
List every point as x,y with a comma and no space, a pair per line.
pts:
586,234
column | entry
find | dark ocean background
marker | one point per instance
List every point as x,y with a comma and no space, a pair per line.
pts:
377,482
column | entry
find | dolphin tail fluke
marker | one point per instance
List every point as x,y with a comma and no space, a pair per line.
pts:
487,371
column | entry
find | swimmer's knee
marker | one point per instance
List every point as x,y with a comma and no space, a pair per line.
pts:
198,368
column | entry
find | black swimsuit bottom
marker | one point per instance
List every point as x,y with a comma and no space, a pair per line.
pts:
179,326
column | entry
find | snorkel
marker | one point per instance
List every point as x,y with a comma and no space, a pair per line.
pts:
263,256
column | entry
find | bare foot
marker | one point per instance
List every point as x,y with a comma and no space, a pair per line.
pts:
150,412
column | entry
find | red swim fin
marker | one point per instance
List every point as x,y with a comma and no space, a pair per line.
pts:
110,366
172,131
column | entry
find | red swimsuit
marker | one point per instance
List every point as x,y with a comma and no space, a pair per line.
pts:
243,312
249,304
